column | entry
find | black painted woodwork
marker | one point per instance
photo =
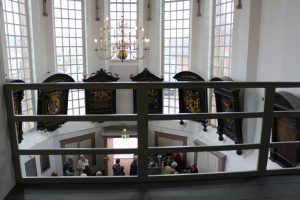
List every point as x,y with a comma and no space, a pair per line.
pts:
228,100
101,101
286,129
18,96
154,95
53,102
192,100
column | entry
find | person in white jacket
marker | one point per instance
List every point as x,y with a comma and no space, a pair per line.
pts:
82,162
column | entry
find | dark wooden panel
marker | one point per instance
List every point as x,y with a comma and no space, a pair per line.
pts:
286,129
18,96
228,100
154,95
192,100
53,102
100,101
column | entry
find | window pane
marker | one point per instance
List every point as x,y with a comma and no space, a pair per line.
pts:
69,46
222,41
176,33
129,10
17,37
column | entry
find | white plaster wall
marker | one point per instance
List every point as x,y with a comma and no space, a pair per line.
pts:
265,48
7,174
173,127
124,97
201,39
279,45
42,41
279,42
154,28
45,144
51,140
244,63
233,163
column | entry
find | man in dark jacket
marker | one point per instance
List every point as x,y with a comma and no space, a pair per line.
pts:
133,166
68,167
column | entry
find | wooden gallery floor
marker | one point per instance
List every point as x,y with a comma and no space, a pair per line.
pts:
275,187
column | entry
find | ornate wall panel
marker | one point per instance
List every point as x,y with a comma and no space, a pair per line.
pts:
53,102
101,101
192,100
154,95
228,100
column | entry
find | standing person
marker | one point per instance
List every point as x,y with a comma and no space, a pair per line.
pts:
117,168
122,173
68,167
133,166
82,163
177,158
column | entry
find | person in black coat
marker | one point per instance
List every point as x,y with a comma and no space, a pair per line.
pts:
87,170
68,167
133,166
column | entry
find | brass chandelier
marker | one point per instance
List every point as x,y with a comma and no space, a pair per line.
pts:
118,42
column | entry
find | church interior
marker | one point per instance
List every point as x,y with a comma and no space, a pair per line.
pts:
121,46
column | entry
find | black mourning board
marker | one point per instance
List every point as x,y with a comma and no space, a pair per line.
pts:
101,101
18,95
53,102
192,100
286,129
228,100
154,95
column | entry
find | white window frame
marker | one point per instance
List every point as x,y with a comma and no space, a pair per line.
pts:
218,26
171,109
218,34
75,105
118,14
27,126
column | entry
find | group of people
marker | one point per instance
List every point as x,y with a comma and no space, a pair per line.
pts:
82,166
118,169
172,169
85,170
172,164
